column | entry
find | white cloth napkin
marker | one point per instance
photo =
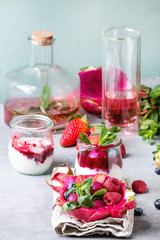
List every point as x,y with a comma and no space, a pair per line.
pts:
66,225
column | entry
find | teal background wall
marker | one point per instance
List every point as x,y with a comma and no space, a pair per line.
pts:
78,25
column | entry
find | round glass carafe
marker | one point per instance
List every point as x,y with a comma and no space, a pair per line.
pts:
31,146
42,88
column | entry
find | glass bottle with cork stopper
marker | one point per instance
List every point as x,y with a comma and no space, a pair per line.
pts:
42,87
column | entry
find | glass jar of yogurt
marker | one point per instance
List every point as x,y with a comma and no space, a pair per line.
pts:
31,146
92,159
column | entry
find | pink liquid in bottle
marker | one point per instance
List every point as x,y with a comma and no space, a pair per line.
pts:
121,108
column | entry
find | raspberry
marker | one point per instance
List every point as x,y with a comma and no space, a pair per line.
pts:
139,186
98,203
96,186
112,198
112,185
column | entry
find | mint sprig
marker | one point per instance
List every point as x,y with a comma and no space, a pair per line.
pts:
150,113
84,196
44,100
107,136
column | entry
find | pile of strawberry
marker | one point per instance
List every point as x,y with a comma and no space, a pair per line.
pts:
79,124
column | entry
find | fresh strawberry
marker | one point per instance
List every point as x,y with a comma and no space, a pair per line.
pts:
123,150
72,131
112,198
100,178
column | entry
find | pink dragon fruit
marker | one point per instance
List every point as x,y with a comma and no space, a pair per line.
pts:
98,203
91,87
91,207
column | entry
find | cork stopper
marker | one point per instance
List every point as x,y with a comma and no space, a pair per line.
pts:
42,38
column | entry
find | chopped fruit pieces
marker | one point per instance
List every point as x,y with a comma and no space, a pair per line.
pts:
139,186
98,203
96,186
72,197
100,178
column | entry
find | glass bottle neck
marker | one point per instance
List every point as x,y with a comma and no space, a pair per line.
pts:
42,56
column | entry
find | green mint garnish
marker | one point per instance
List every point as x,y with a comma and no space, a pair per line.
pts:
84,139
45,96
107,136
150,113
84,195
69,205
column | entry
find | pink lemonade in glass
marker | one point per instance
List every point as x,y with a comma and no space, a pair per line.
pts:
121,107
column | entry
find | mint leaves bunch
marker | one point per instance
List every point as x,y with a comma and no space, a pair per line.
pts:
107,136
150,112
84,195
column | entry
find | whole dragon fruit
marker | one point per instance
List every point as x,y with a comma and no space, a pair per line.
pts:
88,205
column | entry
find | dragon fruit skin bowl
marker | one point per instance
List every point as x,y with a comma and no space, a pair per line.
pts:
92,191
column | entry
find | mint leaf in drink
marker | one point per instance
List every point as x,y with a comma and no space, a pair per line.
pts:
45,96
85,201
84,138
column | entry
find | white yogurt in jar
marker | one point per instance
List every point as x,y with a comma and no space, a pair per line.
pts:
30,155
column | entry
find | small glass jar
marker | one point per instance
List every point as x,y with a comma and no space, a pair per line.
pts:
92,159
31,146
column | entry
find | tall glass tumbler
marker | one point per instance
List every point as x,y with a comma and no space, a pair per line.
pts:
121,76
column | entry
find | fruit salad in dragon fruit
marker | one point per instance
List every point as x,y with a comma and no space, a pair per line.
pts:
92,197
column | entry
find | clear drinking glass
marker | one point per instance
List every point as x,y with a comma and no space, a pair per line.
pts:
121,76
92,159
31,146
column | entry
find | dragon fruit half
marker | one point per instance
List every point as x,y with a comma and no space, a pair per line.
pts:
91,86
82,197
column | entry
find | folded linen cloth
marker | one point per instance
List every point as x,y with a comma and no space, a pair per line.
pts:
66,225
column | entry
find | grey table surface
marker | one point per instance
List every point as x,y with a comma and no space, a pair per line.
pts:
26,201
